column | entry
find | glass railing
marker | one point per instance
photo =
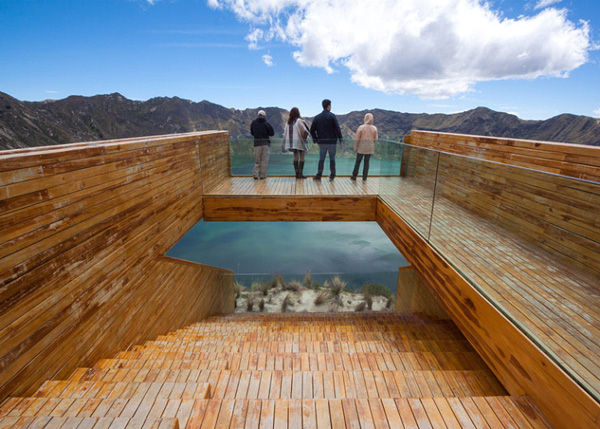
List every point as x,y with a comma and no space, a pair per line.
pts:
411,193
521,237
385,160
314,292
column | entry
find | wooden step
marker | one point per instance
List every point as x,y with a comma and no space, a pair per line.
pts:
123,390
268,335
278,347
87,423
469,412
289,384
300,362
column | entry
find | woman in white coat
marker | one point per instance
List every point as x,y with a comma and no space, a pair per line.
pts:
294,139
364,145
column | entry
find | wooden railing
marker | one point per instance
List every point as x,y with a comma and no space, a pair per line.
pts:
83,228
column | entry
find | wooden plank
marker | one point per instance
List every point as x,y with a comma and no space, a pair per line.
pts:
289,209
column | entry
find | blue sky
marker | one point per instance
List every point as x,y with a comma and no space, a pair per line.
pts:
534,58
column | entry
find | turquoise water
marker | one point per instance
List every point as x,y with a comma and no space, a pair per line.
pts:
359,252
282,164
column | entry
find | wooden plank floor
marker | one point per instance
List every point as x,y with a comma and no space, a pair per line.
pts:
285,185
557,303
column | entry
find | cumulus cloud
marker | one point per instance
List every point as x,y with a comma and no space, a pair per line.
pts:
431,48
597,112
545,3
268,60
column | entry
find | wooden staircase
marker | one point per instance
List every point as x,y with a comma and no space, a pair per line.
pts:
327,370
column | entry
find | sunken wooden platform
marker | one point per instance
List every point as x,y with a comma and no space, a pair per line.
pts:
342,370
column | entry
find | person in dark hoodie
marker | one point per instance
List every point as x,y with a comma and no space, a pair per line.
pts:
325,130
261,130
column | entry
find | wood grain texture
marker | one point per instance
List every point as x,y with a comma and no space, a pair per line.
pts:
516,361
558,214
82,231
412,296
579,161
216,164
289,208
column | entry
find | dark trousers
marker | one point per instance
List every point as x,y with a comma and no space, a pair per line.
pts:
359,157
323,150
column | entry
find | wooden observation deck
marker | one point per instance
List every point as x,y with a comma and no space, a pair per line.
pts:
503,237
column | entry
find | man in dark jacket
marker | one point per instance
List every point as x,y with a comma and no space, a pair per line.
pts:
325,130
261,130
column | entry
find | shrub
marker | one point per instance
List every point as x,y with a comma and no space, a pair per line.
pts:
307,278
280,279
390,302
368,299
237,289
261,287
315,286
321,298
293,286
337,285
377,290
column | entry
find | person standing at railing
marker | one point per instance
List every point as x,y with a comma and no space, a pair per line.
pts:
295,134
364,146
325,131
261,130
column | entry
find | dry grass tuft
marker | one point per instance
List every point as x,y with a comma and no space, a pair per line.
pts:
321,298
293,286
261,305
287,302
250,303
337,285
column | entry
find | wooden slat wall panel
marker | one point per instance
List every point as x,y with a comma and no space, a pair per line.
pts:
289,208
580,161
216,164
515,360
82,231
556,213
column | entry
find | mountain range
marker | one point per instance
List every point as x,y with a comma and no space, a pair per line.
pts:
112,116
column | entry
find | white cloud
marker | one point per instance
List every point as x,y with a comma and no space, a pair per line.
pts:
597,111
545,3
268,60
50,91
431,48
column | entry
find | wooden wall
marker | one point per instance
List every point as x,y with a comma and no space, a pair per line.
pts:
412,296
82,231
580,161
216,163
556,213
290,208
517,362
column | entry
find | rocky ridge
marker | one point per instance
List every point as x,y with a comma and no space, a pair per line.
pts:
103,117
